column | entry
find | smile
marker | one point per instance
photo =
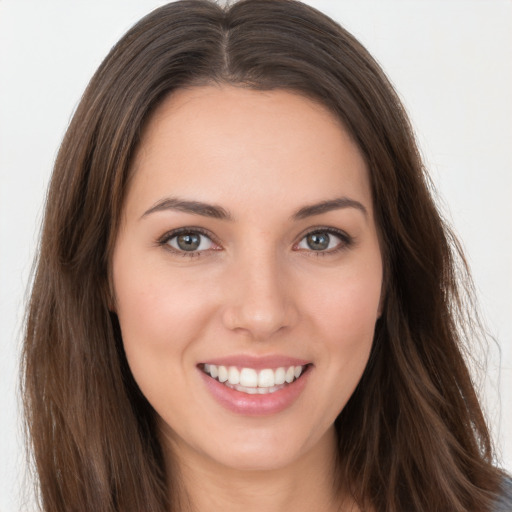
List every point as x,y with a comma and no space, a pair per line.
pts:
252,381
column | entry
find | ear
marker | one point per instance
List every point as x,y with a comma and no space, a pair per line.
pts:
112,307
111,303
382,300
109,295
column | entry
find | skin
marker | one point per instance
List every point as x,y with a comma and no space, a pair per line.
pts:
256,287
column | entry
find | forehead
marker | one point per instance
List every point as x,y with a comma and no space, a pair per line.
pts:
268,148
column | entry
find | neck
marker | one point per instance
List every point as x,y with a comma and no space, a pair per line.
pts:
305,484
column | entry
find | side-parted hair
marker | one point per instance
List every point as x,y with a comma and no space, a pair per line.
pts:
411,438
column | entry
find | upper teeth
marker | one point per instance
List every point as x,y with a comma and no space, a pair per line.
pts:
250,378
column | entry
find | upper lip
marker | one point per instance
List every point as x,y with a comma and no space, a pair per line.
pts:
257,362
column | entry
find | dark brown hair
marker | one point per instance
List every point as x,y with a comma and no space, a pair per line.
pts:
412,436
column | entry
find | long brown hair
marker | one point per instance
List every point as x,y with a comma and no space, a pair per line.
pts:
412,436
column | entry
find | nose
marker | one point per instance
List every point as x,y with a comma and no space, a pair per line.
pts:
260,300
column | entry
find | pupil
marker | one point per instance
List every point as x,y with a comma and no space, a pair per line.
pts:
318,241
189,241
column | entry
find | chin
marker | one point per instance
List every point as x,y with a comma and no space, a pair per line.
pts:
255,457
270,448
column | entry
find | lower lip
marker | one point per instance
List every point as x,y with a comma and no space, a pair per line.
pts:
256,405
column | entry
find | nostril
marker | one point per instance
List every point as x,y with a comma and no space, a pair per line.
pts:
259,322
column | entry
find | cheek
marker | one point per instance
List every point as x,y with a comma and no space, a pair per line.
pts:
160,319
348,307
345,316
159,316
149,299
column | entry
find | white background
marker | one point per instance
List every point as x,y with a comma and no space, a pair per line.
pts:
450,60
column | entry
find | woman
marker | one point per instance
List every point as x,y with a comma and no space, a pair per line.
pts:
245,296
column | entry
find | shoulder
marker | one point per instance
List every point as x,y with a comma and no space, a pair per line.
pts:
504,503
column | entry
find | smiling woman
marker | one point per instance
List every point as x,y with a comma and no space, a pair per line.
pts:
245,297
275,281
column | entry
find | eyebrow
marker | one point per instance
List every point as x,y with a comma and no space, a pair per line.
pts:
327,206
218,212
193,207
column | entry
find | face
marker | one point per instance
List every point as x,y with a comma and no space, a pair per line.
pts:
247,274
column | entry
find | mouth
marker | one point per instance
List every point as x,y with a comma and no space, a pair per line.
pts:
253,381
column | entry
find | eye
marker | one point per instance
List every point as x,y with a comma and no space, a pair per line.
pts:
324,241
188,241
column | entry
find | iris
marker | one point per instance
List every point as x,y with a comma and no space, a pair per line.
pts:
318,241
188,241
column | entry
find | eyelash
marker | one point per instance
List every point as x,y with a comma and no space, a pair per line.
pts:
346,241
167,237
